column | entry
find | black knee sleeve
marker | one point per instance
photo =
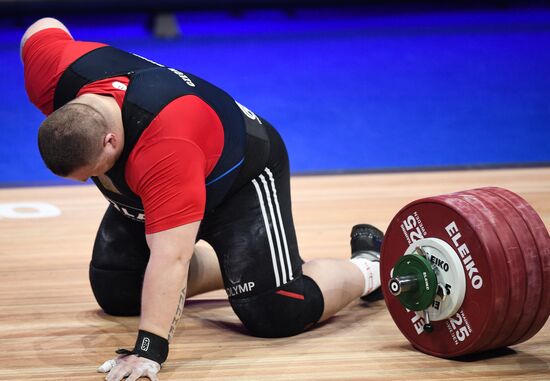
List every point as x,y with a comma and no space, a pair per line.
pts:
286,311
118,292
120,243
118,264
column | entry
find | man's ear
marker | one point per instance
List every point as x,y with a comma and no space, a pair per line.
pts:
112,140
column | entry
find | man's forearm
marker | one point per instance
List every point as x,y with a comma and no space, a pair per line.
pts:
165,282
177,316
163,295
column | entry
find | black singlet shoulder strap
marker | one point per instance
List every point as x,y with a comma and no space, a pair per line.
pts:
100,63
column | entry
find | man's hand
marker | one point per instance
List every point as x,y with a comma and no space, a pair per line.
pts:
130,366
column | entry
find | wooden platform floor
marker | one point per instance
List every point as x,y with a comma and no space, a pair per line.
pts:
51,328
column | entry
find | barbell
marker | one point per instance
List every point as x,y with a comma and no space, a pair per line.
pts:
467,272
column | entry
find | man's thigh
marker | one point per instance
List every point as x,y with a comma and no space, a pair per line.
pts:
253,235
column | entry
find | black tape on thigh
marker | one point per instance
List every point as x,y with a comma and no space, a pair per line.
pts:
117,292
287,311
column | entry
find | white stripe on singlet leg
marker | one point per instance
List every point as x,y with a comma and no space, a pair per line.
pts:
275,227
268,231
283,233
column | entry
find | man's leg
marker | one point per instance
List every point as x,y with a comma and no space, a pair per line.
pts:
204,271
271,292
253,234
340,281
119,260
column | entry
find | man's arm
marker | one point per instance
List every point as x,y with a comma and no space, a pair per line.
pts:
165,280
39,25
163,296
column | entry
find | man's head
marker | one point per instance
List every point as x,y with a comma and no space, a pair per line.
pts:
76,141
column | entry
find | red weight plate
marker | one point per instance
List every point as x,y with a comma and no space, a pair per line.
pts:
499,277
510,254
464,332
542,240
533,273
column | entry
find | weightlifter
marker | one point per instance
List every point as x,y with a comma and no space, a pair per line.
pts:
179,160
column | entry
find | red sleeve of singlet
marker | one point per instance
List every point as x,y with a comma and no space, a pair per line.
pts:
46,54
171,160
115,87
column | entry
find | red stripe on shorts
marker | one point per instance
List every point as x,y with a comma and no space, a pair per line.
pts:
290,294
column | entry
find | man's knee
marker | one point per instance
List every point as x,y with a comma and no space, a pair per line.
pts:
118,292
288,311
119,259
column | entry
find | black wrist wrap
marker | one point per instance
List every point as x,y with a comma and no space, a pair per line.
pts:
150,346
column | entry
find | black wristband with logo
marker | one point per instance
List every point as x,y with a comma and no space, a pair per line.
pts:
150,346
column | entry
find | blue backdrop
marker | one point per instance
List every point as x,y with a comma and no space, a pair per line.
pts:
349,90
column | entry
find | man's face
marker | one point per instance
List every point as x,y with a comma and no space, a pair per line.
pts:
112,148
100,167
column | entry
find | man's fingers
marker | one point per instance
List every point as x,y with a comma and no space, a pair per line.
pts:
118,373
152,374
147,370
137,373
107,366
